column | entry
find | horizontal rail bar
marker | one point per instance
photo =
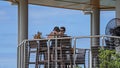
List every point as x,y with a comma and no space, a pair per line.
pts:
78,37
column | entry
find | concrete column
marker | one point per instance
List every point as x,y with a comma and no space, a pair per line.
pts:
95,21
23,20
118,8
95,30
18,48
22,29
95,26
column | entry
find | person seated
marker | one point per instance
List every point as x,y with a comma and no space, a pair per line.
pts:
38,35
54,33
35,36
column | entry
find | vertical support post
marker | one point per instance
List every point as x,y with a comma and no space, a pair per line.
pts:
18,57
95,30
95,22
56,56
37,54
25,55
21,57
48,54
22,26
117,10
90,62
88,58
18,54
103,39
22,20
74,53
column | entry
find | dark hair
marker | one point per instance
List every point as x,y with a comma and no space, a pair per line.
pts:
63,28
56,28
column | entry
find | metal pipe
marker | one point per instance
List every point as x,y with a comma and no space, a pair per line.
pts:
74,52
78,37
56,53
18,56
103,41
21,59
27,59
19,66
24,55
49,53
37,56
90,58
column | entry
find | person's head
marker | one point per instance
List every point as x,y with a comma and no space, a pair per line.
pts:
62,29
39,33
56,29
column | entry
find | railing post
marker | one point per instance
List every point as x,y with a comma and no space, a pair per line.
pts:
56,52
49,53
103,39
22,56
88,58
25,54
90,66
37,54
18,57
74,52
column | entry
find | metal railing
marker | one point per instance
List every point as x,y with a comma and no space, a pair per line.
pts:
75,43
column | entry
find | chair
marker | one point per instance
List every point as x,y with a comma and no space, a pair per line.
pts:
80,56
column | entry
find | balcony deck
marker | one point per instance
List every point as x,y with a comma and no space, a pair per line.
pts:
59,52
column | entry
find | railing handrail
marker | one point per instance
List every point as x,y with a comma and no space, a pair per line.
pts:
75,37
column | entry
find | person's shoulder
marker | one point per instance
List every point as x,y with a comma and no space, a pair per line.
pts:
52,33
65,35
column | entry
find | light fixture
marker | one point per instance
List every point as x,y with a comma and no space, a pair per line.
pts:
87,12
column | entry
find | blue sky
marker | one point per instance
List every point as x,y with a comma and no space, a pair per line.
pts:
41,19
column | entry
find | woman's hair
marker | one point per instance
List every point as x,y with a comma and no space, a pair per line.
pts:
63,28
56,28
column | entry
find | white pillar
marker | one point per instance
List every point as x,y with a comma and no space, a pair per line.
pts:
95,26
90,62
95,30
95,21
117,8
22,30
23,20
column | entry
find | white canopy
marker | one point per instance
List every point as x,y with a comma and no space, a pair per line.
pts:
73,4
